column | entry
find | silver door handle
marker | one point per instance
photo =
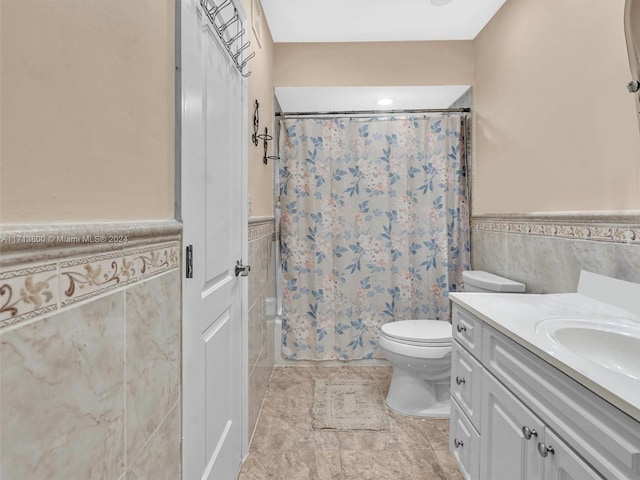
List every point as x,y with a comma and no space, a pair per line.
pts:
457,443
242,270
459,380
461,328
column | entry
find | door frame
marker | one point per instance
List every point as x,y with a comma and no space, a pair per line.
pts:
244,216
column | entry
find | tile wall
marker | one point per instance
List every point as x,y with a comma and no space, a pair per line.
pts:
90,352
261,324
547,252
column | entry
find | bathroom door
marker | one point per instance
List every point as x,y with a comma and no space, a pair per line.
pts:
213,100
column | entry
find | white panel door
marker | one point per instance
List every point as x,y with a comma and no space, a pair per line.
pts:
212,159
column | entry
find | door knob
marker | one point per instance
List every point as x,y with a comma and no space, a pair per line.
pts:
459,380
242,270
461,328
457,443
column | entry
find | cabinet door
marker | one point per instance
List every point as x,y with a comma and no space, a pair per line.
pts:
510,434
464,443
562,463
467,329
466,383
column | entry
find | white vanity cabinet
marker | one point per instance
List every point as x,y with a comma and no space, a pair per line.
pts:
516,444
466,391
515,416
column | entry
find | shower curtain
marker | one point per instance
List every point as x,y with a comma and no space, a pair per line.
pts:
374,228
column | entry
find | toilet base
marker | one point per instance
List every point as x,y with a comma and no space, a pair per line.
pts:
411,394
439,410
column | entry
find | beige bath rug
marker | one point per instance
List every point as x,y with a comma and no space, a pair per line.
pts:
349,405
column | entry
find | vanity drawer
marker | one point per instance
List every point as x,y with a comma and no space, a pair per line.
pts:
466,383
467,329
609,439
464,443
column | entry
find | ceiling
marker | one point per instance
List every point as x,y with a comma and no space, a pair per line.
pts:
373,21
376,20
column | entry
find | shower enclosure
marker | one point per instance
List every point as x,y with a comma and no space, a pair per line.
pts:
374,226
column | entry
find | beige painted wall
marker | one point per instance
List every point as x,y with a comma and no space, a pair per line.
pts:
373,64
555,126
87,111
260,88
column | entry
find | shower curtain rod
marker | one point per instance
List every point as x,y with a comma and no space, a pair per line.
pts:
372,112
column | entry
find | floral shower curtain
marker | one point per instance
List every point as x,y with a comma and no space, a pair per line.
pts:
374,228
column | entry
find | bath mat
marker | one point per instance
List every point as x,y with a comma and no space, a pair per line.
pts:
348,405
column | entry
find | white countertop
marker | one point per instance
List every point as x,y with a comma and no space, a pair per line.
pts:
516,315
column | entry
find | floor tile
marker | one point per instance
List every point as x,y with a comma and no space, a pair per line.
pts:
285,446
292,465
375,465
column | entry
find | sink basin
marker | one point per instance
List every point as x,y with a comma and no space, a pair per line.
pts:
611,343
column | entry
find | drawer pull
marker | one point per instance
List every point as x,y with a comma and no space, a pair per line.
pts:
529,432
461,328
543,450
457,443
460,381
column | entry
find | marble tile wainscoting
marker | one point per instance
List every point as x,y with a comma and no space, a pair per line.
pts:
90,351
547,251
261,322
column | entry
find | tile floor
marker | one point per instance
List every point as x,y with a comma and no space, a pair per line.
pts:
284,445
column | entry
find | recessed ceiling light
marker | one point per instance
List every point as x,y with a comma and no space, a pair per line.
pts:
385,101
439,3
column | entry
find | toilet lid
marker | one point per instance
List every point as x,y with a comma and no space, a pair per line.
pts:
419,331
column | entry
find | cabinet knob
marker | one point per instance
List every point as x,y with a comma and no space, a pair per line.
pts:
529,432
461,328
543,450
457,443
459,380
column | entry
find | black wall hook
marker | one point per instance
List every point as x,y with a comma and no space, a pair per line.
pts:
265,137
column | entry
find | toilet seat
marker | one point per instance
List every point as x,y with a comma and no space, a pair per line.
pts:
427,333
417,338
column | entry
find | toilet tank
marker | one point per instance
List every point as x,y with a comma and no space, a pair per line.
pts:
479,281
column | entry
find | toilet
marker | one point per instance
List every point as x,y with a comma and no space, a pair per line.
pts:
420,353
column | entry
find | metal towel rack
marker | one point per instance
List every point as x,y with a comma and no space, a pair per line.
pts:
231,40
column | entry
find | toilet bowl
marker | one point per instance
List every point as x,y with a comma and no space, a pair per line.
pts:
420,353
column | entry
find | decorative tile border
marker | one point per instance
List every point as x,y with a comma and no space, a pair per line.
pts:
580,226
21,244
261,227
31,289
87,277
28,292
